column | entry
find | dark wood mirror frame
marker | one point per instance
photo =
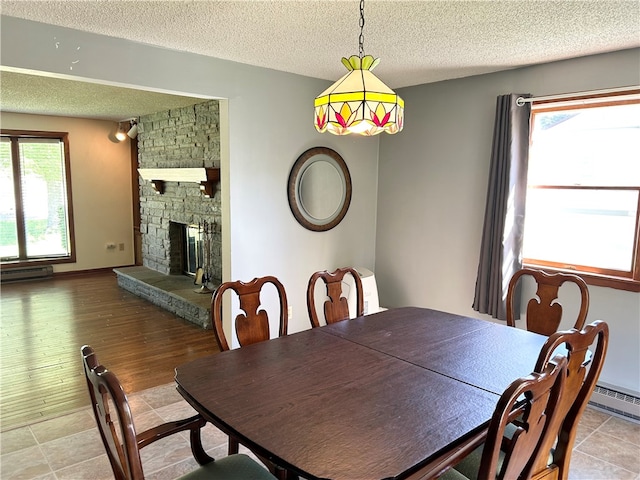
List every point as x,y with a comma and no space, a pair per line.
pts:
300,167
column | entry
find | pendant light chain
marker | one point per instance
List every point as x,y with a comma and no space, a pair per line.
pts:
361,38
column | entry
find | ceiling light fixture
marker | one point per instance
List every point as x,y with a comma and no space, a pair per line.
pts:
359,102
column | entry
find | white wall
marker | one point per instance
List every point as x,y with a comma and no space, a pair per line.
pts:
432,190
270,123
101,188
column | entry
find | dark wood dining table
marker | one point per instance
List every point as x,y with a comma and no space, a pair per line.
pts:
392,395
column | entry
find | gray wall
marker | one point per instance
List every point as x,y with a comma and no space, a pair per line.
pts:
432,189
429,187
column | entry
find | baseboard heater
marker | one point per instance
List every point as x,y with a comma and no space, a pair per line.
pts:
26,273
620,403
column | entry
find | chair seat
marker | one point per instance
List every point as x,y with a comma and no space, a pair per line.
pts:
452,474
469,466
233,467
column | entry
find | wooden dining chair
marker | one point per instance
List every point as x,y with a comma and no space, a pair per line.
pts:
122,443
252,326
537,397
336,308
586,351
544,312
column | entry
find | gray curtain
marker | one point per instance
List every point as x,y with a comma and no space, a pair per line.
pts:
501,248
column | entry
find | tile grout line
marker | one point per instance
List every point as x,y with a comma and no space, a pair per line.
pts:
610,419
600,460
46,459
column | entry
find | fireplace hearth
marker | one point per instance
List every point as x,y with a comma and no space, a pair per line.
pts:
175,293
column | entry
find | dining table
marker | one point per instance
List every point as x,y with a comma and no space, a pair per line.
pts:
398,394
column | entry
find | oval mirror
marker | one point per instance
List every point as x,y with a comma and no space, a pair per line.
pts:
319,189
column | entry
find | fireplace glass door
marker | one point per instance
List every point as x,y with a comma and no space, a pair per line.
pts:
193,257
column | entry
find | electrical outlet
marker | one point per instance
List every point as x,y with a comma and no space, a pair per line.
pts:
290,312
121,247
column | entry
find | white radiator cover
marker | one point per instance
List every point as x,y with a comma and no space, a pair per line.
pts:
26,273
612,400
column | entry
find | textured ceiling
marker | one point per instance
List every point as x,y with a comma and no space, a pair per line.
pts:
53,96
418,41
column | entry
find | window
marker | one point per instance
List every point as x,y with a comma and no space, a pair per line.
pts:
583,192
35,198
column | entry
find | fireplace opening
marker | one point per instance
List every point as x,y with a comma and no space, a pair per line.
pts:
191,249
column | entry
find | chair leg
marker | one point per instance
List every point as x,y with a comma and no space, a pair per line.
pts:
197,449
283,474
233,445
279,472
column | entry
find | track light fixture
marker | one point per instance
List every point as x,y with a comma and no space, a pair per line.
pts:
133,131
127,128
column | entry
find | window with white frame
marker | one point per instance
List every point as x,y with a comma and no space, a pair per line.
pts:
35,198
583,193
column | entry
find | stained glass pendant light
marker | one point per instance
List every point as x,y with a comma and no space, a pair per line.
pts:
359,102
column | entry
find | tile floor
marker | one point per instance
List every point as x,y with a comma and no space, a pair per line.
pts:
69,447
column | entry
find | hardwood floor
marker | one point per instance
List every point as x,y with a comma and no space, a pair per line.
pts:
44,324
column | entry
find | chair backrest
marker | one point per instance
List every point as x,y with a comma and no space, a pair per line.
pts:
586,350
544,312
113,415
253,325
336,308
536,397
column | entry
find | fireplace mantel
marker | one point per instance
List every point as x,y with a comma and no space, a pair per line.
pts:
207,177
196,175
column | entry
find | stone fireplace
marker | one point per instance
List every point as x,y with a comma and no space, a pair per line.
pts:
184,138
181,138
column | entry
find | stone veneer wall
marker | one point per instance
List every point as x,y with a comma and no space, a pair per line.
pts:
181,138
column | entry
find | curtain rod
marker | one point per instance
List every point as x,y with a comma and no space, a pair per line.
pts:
520,101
